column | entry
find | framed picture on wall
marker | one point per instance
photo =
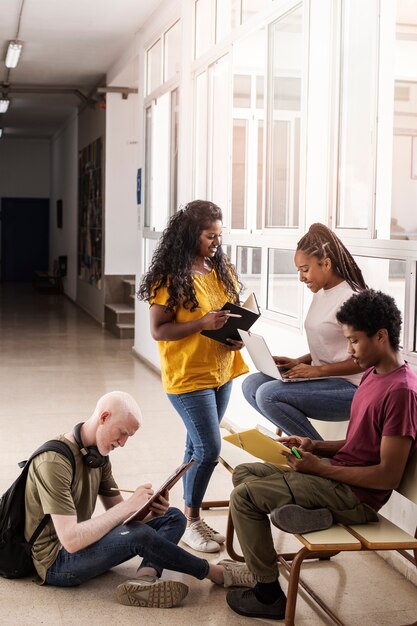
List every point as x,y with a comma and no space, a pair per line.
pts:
90,214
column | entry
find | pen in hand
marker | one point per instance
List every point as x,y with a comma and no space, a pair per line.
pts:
124,490
295,452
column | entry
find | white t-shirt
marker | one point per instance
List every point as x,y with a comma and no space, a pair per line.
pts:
324,333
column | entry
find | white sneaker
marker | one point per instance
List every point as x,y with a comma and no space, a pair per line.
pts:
217,537
198,537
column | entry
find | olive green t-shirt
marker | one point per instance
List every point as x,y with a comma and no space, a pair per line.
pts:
48,490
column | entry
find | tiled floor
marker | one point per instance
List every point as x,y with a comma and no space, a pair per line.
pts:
55,363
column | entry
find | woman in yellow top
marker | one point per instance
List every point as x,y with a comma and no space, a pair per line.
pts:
189,280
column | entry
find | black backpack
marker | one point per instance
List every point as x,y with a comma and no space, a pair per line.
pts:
15,551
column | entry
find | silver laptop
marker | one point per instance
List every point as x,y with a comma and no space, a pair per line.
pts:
263,359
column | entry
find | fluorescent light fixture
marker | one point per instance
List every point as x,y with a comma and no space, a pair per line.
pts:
13,53
4,105
1,132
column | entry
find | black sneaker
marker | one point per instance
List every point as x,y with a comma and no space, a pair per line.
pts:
244,602
293,518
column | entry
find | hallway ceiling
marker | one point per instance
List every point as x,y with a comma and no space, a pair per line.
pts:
67,46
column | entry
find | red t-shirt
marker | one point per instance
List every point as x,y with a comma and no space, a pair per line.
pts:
383,405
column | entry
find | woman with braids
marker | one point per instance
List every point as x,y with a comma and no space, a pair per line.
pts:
189,280
329,271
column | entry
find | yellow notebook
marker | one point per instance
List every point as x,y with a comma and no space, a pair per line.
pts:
260,445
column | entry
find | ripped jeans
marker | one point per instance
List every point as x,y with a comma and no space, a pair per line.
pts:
155,541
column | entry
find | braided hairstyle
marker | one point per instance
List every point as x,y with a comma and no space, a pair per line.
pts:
172,261
322,243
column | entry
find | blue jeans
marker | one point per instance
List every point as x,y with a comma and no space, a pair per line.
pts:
201,411
156,541
288,405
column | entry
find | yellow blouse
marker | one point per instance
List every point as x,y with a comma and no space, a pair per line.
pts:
197,362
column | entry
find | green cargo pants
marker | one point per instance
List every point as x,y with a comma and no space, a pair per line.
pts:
262,487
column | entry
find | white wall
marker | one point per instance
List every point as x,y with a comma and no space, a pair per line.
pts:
63,241
121,215
25,168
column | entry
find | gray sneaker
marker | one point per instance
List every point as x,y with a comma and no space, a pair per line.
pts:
236,574
244,602
150,592
292,518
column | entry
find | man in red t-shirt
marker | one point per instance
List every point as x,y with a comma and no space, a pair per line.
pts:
332,481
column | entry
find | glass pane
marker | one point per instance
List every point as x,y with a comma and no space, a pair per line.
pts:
282,283
221,122
260,171
203,26
252,7
154,64
223,19
227,249
158,192
172,51
249,63
284,149
359,69
200,148
239,173
149,249
175,111
148,166
279,184
260,92
241,91
236,12
387,275
404,184
249,266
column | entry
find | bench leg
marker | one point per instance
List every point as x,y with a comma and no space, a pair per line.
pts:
295,581
213,504
230,532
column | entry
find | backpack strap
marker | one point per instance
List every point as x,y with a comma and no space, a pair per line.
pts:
52,445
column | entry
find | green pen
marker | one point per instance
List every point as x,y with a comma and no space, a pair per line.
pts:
295,452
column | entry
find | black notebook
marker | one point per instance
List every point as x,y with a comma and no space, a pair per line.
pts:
249,312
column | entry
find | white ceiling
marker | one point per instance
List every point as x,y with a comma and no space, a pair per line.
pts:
66,44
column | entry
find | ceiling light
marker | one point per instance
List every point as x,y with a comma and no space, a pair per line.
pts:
4,105
13,53
1,132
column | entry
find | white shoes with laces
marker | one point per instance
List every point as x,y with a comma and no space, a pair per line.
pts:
202,538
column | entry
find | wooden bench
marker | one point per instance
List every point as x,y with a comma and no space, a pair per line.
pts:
327,543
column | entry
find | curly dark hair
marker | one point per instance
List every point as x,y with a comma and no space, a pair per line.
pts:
369,311
172,261
322,243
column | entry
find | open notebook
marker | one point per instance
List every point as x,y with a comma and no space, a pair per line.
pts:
248,313
263,359
259,444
